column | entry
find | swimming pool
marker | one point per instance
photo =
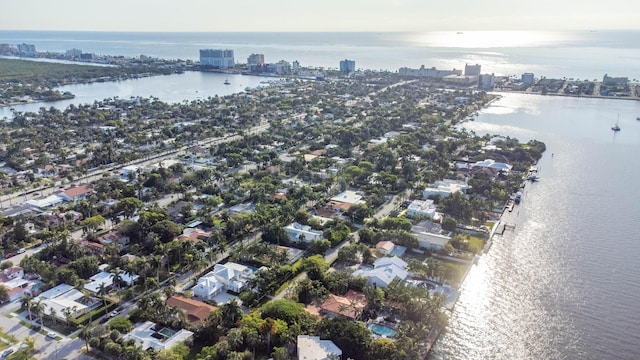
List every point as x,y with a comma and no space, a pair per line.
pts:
382,330
166,332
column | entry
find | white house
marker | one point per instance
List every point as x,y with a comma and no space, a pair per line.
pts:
349,197
385,270
106,279
304,233
50,201
312,348
490,163
421,208
147,336
444,188
55,301
230,276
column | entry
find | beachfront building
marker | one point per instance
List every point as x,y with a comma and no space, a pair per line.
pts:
149,335
385,270
527,79
217,58
472,70
486,81
27,50
347,66
230,276
421,209
427,72
312,348
303,233
444,188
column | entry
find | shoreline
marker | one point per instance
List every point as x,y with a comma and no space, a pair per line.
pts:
434,335
565,95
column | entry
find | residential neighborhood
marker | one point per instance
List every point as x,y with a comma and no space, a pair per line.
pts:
265,224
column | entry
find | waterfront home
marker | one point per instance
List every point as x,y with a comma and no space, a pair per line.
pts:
385,270
430,235
229,276
150,335
302,233
312,348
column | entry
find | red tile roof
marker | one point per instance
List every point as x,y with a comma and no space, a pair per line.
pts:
76,191
196,311
350,305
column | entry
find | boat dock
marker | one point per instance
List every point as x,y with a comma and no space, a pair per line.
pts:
502,227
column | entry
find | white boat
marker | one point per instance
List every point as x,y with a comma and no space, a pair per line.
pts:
226,81
616,127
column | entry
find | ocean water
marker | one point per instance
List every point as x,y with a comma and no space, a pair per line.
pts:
576,54
565,283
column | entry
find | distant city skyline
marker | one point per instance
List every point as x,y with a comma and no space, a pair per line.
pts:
329,15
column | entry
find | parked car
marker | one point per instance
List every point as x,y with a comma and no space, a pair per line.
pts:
52,335
36,327
114,313
21,251
9,255
6,353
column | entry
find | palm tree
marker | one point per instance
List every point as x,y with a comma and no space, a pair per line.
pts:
268,328
39,309
102,291
85,334
26,303
117,277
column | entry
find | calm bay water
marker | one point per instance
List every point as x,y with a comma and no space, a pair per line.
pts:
176,88
565,283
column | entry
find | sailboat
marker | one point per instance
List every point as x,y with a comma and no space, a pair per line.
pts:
226,81
616,127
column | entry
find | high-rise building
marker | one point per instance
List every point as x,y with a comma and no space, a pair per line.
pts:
347,66
527,78
472,70
295,67
486,81
217,58
27,50
255,59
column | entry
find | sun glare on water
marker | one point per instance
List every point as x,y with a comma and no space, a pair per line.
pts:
487,39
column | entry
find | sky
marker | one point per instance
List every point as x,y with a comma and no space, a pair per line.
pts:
324,15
